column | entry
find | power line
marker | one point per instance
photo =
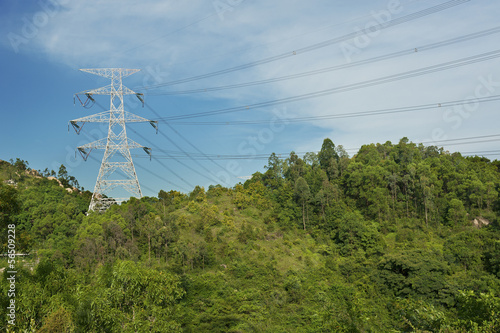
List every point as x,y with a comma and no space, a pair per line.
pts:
370,30
123,174
459,139
344,66
177,160
165,166
280,39
365,84
164,179
448,142
161,163
189,142
346,115
482,153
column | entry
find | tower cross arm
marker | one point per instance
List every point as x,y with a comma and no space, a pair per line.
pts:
108,90
99,144
104,117
110,72
101,117
110,144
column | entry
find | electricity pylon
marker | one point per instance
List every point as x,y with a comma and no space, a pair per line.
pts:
117,172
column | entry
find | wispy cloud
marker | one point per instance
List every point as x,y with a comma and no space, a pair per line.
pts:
177,39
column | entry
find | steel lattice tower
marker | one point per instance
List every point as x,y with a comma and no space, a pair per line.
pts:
117,172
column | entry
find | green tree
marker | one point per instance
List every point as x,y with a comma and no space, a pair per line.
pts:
62,175
420,315
355,234
275,172
296,167
478,312
456,212
414,273
328,158
20,164
9,208
326,195
9,204
302,195
465,249
149,226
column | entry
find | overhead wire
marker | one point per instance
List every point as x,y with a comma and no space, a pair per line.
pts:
164,179
448,142
208,172
161,163
143,186
339,67
208,156
370,30
212,177
176,159
480,154
404,109
187,141
364,84
460,139
281,39
167,168
483,153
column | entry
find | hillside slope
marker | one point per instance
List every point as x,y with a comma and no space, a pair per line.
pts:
380,242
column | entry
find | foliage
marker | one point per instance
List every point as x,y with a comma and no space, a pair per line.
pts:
383,241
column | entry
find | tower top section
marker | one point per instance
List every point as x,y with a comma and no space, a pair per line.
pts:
110,72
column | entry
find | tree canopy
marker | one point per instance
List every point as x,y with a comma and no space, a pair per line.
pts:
397,238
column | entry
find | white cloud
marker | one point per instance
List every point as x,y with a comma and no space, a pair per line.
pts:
177,39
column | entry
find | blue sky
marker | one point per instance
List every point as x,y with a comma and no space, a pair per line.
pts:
44,43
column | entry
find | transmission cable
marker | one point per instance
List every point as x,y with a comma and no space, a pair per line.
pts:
370,30
161,163
162,178
167,168
487,152
343,115
354,86
144,186
176,159
448,142
186,140
214,179
279,40
335,68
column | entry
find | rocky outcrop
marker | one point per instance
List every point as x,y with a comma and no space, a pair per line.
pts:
480,222
69,189
33,173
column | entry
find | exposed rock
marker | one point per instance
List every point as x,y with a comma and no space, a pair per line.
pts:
33,173
54,178
69,189
480,222
10,182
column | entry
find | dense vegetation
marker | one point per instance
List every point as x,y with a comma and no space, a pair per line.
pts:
398,238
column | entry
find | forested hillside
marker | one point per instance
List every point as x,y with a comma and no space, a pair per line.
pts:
398,238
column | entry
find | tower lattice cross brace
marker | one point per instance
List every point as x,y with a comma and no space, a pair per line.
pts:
117,172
